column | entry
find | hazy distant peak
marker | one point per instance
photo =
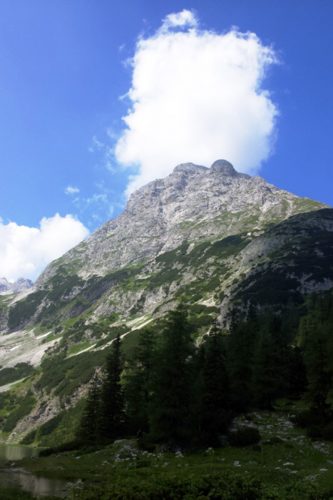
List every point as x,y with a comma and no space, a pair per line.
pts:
18,286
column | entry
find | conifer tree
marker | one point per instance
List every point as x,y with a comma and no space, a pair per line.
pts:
295,374
170,416
88,430
264,376
270,363
240,350
214,411
138,383
112,417
319,369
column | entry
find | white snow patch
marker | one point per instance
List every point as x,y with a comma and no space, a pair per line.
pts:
80,352
142,325
134,322
111,341
210,302
43,335
6,387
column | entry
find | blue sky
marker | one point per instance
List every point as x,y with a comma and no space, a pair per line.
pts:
64,67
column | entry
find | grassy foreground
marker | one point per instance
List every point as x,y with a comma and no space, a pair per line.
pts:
286,465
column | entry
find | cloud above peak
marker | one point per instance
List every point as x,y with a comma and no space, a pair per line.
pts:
183,19
25,251
196,95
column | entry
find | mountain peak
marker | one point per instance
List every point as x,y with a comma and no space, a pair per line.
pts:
193,204
224,167
189,168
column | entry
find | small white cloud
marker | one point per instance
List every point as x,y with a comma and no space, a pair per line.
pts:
26,251
184,19
197,96
70,190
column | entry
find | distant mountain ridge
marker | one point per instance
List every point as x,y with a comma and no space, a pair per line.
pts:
14,287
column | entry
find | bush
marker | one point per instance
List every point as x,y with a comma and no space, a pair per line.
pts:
244,436
50,425
62,448
25,406
7,493
315,423
314,431
21,370
29,438
308,418
327,432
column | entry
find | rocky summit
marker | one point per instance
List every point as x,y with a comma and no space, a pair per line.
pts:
219,240
193,204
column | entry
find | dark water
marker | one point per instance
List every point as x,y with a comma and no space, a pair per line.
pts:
16,477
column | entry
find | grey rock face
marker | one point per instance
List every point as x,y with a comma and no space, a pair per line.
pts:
193,203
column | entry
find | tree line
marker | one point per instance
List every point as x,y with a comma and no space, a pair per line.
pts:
180,392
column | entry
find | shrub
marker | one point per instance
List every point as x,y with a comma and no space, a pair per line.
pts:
7,493
21,370
24,408
315,431
315,423
68,446
308,418
327,431
29,438
244,436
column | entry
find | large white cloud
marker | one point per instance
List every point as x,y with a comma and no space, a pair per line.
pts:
25,251
197,96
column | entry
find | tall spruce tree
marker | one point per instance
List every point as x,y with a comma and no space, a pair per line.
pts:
295,373
240,351
112,416
171,421
88,431
138,383
316,334
270,363
214,407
